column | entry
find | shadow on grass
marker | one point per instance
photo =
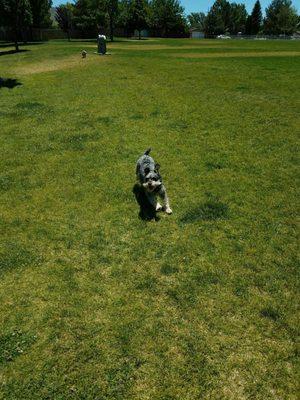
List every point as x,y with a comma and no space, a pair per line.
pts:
11,44
147,211
136,38
14,255
210,210
83,41
9,83
13,344
270,312
7,52
126,40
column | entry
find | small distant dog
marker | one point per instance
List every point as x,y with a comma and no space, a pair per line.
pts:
147,173
83,54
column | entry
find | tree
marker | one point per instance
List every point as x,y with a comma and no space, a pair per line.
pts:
197,20
254,21
41,13
166,17
218,18
94,16
90,16
64,17
238,18
138,15
256,18
15,14
248,25
281,18
224,17
112,12
123,17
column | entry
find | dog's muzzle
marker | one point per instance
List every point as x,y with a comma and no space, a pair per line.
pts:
151,186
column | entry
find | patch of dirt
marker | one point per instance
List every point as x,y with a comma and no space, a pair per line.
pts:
49,65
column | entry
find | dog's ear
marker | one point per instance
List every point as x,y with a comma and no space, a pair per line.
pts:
146,170
157,166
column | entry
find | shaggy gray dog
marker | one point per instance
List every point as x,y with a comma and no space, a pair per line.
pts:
147,173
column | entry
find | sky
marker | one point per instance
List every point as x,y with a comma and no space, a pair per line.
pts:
204,5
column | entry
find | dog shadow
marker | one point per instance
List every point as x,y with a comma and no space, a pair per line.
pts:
210,210
147,211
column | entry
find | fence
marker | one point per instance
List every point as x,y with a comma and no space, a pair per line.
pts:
265,37
33,34
255,37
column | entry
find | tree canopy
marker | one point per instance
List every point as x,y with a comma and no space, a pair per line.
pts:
281,18
138,15
237,18
15,14
167,17
40,13
256,18
161,17
218,18
197,20
64,17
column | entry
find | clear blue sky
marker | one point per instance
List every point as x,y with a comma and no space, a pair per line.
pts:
204,5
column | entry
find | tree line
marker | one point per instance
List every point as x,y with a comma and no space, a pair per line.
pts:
164,18
232,18
17,15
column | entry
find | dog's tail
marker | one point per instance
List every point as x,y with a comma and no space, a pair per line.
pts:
147,151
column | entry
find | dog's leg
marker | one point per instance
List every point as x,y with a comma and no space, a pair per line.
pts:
152,199
158,206
163,195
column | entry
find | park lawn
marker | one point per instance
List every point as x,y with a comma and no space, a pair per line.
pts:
97,304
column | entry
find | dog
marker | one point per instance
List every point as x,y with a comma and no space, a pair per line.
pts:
147,172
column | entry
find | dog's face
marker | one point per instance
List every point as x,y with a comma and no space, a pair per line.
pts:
152,181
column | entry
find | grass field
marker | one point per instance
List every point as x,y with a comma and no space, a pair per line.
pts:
97,304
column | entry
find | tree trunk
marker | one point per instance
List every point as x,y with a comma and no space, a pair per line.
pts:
16,39
69,36
16,29
24,35
16,45
111,28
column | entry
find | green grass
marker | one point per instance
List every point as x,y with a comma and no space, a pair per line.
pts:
97,304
